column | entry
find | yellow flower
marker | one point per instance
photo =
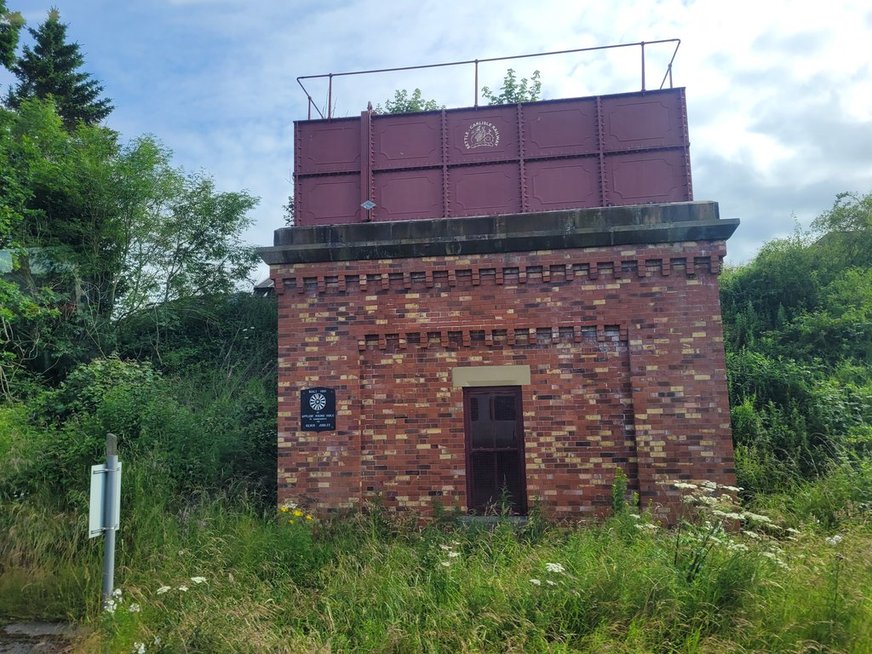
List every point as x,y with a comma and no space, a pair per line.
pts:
284,509
308,516
298,513
290,522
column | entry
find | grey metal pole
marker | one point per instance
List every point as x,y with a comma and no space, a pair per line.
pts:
109,513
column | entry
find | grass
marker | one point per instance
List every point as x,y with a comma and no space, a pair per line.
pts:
367,583
376,582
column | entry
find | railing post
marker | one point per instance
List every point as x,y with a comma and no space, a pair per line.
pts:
642,43
330,96
476,84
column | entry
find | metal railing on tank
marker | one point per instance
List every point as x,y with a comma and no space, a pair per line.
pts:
667,76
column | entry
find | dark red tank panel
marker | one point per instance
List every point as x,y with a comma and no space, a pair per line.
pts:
583,152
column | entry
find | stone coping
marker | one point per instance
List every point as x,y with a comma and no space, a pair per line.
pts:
550,230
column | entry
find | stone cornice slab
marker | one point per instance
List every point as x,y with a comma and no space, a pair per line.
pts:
551,230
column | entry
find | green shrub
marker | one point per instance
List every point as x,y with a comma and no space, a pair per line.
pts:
223,433
85,389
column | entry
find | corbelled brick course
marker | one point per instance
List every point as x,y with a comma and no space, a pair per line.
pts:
625,350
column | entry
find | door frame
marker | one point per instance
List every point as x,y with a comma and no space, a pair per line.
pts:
517,391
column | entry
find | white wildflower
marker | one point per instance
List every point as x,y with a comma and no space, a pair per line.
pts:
727,514
751,534
453,555
536,582
445,563
116,593
738,547
198,580
635,516
134,608
681,485
162,590
732,489
708,501
184,589
688,499
109,606
550,583
444,548
774,557
834,540
138,648
756,517
555,567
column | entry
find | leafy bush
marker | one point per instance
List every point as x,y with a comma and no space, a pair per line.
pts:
223,433
86,388
793,420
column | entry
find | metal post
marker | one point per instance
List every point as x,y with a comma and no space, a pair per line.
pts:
643,64
110,512
476,83
330,96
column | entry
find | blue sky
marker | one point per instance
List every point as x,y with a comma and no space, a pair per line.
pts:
779,92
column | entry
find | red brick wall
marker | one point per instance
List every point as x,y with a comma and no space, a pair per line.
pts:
625,350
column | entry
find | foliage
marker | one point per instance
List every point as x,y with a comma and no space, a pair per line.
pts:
289,212
51,70
619,492
514,90
403,103
16,305
798,329
205,402
846,231
181,236
106,230
11,23
85,389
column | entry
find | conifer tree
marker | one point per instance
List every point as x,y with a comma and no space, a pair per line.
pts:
51,69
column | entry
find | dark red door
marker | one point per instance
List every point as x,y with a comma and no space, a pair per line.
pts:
494,449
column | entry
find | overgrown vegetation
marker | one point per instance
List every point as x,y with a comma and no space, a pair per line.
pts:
122,317
221,576
798,329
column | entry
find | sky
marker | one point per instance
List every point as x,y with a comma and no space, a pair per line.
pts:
779,92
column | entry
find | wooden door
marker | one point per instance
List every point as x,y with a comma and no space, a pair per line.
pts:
495,475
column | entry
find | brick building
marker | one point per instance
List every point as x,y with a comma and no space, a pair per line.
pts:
464,331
